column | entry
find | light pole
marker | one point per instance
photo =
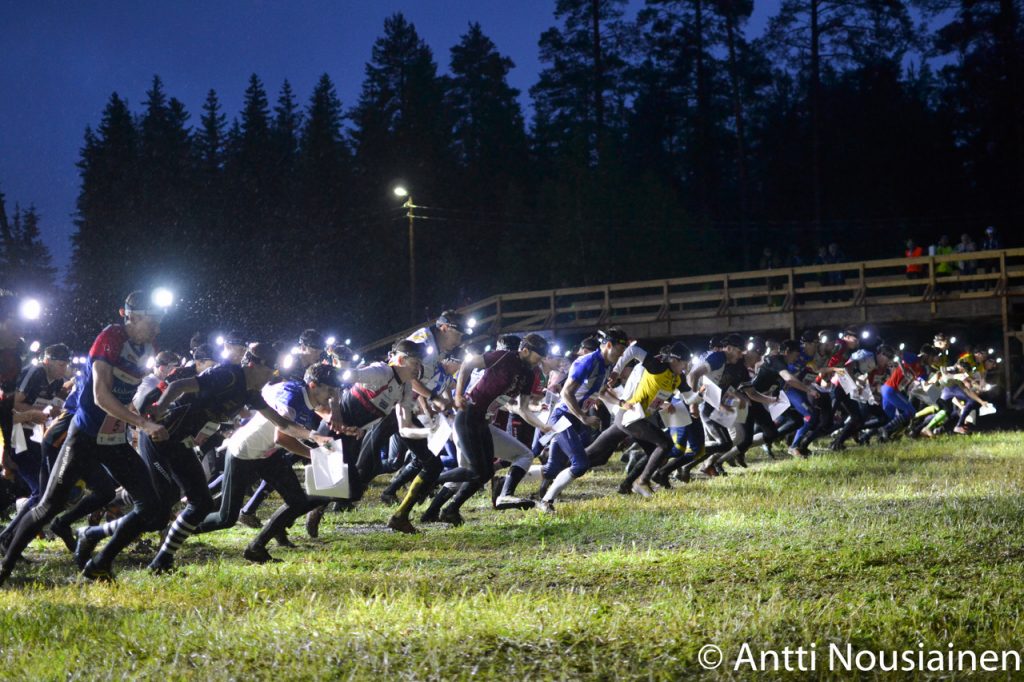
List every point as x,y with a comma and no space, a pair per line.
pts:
402,193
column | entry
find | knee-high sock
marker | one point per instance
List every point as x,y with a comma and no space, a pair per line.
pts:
564,478
512,478
411,496
179,532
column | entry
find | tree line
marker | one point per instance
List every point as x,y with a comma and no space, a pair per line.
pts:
663,145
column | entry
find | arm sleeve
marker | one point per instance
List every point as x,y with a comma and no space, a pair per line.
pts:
107,346
372,376
634,352
31,384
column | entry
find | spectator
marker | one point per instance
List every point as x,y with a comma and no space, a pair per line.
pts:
832,256
943,268
914,270
967,267
821,258
768,259
991,241
793,258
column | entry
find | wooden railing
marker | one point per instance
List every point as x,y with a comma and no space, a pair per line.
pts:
773,296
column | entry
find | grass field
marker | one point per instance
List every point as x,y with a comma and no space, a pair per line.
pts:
881,548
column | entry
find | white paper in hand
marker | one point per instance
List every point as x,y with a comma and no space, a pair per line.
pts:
679,417
439,436
712,393
776,409
726,418
328,467
561,425
986,410
18,439
847,382
634,414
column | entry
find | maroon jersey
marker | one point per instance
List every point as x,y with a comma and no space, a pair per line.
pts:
504,377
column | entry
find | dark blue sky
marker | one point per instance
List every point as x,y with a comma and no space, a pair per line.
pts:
59,62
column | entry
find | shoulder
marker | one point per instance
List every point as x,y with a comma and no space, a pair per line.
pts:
109,343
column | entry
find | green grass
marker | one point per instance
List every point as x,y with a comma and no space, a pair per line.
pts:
881,548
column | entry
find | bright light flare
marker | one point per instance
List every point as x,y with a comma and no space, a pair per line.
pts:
471,323
163,297
34,346
865,334
400,192
952,339
331,340
31,309
225,354
288,362
220,340
355,357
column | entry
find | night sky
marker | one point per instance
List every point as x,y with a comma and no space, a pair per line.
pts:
60,61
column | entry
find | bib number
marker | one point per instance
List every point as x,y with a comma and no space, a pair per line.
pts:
204,434
112,432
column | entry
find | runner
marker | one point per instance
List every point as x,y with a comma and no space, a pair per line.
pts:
97,437
567,455
505,376
193,409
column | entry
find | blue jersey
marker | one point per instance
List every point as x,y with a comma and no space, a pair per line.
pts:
71,402
290,399
715,361
804,369
127,361
590,372
221,396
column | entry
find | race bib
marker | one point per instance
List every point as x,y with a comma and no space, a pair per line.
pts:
112,432
204,434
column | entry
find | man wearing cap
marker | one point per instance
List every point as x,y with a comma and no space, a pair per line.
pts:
289,415
433,388
801,392
435,343
97,436
235,345
838,363
192,409
376,390
723,353
501,377
310,351
567,458
650,390
440,340
36,402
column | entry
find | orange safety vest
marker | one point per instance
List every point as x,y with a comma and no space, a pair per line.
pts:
914,267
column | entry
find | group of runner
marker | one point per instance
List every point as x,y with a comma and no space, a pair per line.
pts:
164,437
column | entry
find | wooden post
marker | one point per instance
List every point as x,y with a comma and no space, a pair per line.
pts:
931,284
1005,301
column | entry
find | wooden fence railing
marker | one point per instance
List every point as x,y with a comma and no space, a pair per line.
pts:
987,275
